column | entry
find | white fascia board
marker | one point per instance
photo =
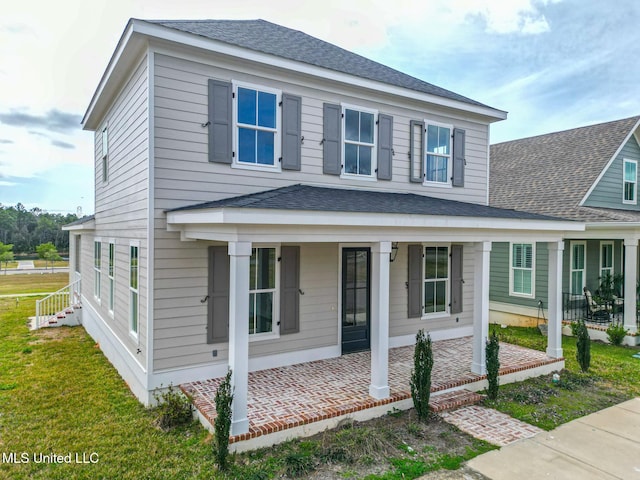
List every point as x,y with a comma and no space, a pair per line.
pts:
251,216
183,38
611,160
83,227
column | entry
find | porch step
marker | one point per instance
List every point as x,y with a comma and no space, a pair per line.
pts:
455,399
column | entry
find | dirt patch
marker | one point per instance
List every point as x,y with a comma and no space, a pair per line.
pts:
52,333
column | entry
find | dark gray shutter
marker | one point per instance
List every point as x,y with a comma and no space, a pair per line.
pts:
291,132
459,162
414,283
456,278
289,290
218,302
220,121
416,151
331,139
385,146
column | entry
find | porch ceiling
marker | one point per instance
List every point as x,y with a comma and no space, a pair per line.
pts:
286,397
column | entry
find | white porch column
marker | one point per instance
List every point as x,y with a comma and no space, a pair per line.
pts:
480,306
554,325
239,256
630,279
379,387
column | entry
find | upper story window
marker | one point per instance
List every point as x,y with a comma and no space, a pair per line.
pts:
257,133
437,164
630,181
522,271
105,154
359,155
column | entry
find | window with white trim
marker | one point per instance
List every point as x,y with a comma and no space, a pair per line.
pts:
111,275
436,279
105,155
97,268
359,143
437,161
134,277
522,271
257,126
630,181
578,267
263,274
606,259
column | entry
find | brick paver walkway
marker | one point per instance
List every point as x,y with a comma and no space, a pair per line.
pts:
287,397
490,425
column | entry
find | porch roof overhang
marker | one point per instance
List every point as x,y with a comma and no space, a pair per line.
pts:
608,230
84,224
306,213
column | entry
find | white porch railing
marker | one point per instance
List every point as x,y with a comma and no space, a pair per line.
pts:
57,303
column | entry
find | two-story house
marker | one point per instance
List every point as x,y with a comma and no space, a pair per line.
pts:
588,174
265,198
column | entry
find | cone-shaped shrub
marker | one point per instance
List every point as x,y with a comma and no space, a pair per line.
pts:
421,374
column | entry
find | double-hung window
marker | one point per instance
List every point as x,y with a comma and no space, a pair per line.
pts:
97,268
630,181
359,154
437,161
578,267
134,277
111,275
522,277
105,155
436,279
257,125
606,259
262,291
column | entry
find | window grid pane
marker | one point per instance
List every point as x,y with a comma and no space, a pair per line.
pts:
359,141
262,284
257,122
436,283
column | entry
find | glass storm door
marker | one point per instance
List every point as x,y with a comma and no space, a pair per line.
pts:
356,299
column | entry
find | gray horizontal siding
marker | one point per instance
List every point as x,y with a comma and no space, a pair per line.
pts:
608,193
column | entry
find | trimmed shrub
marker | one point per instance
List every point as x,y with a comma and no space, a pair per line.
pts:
421,374
616,333
492,351
583,344
222,422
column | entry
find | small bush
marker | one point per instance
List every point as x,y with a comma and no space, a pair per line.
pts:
492,351
299,464
616,333
421,375
222,422
173,409
583,344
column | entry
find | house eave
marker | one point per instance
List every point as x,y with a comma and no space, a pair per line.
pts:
137,34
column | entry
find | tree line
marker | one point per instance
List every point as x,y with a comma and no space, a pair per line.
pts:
26,229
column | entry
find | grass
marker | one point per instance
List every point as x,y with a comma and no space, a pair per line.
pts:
614,377
32,283
43,264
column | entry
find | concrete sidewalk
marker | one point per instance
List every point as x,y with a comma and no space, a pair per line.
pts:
604,445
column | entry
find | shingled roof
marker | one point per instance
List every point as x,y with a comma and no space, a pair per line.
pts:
273,39
312,198
550,174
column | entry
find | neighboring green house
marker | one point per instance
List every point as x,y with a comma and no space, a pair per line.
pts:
588,174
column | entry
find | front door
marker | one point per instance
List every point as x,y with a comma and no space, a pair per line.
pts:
356,299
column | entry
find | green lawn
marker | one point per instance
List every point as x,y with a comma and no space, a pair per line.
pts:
32,283
614,376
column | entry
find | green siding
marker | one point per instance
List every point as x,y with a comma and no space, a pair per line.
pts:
608,192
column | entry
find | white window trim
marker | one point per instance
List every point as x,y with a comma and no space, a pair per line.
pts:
624,181
275,325
97,272
447,312
111,275
583,270
134,334
105,153
277,146
430,183
373,177
512,293
613,258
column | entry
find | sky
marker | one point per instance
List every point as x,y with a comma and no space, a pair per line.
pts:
551,64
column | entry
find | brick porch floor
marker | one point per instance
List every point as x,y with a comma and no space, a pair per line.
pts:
288,397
